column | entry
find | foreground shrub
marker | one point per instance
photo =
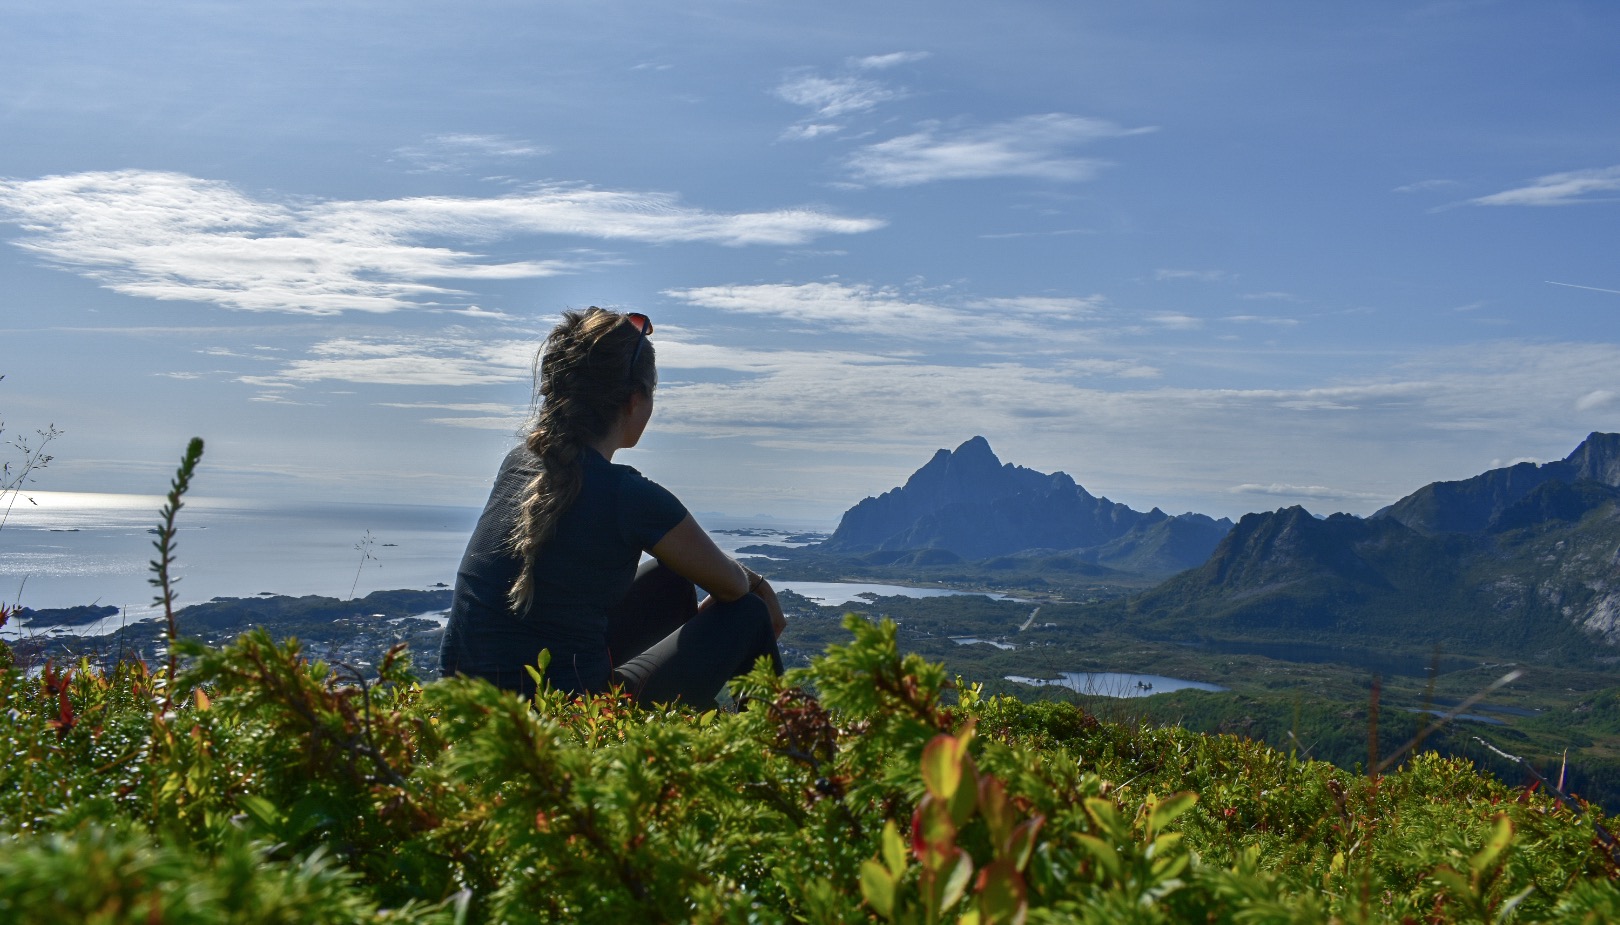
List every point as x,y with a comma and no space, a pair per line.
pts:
868,787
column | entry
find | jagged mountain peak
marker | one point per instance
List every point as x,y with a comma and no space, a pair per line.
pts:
968,466
969,502
1597,458
1472,505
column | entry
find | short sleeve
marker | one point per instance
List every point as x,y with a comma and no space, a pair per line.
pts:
647,510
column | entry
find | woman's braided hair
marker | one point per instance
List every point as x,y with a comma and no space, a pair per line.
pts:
582,385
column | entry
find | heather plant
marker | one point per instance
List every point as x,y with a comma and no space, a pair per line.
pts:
16,474
364,549
870,786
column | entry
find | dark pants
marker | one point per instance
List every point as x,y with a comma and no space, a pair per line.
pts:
664,650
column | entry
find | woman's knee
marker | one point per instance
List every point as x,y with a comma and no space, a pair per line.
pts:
752,612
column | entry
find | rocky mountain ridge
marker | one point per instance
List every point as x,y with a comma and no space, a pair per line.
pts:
969,503
1525,556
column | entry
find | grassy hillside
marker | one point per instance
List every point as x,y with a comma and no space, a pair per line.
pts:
1520,592
866,787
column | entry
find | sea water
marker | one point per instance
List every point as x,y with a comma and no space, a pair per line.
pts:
64,549
74,548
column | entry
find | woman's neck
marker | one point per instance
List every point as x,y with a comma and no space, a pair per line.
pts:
606,446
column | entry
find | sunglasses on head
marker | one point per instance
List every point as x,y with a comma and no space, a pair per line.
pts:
642,324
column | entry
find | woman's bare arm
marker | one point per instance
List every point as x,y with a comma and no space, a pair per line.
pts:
693,556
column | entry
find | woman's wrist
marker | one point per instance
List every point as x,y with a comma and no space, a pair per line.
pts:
755,579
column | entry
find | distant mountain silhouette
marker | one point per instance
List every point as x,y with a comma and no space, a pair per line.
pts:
1472,505
969,503
1524,558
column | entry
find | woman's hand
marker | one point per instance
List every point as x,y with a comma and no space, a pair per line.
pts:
773,606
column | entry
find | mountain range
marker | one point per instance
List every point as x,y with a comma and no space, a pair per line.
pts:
968,504
1524,558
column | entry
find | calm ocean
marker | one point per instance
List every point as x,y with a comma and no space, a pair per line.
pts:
79,548
74,548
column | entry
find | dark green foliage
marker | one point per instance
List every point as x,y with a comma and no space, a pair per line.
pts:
279,790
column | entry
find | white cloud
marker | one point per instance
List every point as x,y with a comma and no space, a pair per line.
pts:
1202,276
444,360
1593,400
1560,189
1122,369
1316,492
1261,319
1060,232
1423,185
474,415
1035,147
832,305
831,97
1588,288
171,236
1032,321
1057,308
805,131
883,62
486,407
440,153
1176,321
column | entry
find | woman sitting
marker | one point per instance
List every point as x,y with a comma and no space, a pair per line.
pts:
552,563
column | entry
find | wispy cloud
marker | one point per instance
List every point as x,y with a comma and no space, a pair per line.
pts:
475,415
829,100
831,97
171,236
880,310
443,153
486,407
1317,492
1202,276
1261,319
1176,321
1560,189
1588,288
444,359
1059,232
883,62
1595,399
1033,147
804,131
1424,185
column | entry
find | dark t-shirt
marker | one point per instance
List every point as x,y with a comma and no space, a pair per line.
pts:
581,573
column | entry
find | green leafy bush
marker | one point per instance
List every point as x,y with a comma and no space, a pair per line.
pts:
867,787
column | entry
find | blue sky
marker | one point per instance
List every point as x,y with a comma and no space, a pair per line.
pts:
1214,257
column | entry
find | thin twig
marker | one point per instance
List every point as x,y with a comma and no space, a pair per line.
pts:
1562,797
1450,715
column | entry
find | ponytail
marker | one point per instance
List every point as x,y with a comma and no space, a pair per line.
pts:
584,381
